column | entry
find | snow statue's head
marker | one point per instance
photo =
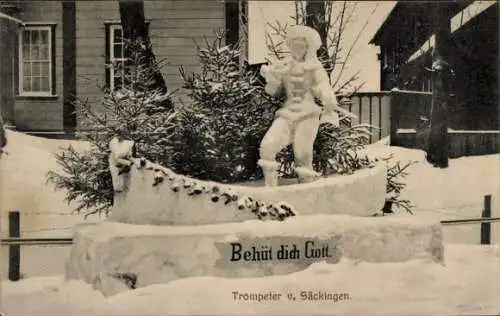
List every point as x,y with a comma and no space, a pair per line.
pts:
122,132
303,42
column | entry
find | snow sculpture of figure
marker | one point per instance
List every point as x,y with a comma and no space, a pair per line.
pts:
120,159
303,78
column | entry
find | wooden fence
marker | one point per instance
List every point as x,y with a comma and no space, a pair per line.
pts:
462,142
373,108
398,114
15,241
390,111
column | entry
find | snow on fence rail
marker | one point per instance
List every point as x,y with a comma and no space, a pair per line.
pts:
15,241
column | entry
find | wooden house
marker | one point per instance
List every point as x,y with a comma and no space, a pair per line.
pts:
59,49
406,42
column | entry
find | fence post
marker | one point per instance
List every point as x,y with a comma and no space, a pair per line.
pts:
14,250
486,227
393,117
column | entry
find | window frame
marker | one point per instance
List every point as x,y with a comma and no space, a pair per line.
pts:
51,59
110,26
110,58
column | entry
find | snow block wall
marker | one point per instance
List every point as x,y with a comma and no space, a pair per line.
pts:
143,203
116,257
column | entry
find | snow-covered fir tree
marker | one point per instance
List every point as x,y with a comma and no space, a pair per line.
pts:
219,133
145,114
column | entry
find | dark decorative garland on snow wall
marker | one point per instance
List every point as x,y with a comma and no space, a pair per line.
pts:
261,209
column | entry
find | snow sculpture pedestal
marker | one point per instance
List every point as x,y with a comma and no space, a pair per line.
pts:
104,254
165,227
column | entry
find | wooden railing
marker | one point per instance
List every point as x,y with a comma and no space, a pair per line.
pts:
397,114
373,108
390,111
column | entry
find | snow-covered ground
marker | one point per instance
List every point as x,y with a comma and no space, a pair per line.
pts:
43,211
464,286
23,187
467,285
453,193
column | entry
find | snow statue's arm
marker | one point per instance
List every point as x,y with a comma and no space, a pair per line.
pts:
323,91
274,83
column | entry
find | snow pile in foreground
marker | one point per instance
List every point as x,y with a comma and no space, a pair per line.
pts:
463,183
382,289
32,285
24,188
465,285
456,192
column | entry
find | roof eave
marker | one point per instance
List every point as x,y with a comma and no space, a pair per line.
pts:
375,39
400,5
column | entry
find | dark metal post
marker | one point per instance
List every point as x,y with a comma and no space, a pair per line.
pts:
14,250
486,227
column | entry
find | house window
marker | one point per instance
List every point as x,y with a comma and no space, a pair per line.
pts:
36,61
115,51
